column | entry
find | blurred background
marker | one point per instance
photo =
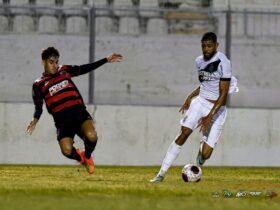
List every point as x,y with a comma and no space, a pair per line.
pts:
159,40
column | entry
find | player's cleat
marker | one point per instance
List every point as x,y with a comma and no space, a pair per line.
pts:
82,156
89,164
199,160
156,179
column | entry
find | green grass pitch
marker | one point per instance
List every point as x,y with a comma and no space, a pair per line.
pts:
117,187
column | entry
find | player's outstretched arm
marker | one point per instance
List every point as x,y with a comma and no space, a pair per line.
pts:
31,126
85,68
115,57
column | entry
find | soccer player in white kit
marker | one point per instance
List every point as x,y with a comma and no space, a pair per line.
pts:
206,106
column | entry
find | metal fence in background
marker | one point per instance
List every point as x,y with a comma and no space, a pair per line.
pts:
163,19
179,16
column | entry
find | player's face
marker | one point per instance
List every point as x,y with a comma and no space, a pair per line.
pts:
51,64
209,48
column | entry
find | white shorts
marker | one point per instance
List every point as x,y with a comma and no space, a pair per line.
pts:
199,108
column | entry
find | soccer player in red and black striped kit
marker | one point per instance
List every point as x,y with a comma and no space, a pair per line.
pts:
65,103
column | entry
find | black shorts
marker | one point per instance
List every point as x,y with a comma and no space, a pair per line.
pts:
69,121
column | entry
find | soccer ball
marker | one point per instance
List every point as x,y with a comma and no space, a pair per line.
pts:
191,173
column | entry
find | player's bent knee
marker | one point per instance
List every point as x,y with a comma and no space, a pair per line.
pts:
185,132
92,137
66,152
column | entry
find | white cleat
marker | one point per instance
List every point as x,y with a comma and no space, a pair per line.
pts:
157,179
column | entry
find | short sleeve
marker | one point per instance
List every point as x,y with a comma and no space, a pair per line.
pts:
225,69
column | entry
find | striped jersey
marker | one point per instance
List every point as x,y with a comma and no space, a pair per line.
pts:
58,90
210,73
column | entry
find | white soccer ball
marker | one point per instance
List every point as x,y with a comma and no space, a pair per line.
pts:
191,173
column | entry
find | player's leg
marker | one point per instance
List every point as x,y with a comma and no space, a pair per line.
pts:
188,124
65,136
174,150
68,150
211,137
172,153
204,153
89,135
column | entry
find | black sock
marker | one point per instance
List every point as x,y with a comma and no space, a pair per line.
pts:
89,147
74,155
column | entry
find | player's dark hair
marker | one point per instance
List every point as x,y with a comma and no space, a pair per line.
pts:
209,36
49,52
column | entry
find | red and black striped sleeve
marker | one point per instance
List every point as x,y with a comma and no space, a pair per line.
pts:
85,68
38,100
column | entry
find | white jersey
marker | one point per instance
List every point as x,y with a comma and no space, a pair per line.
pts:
210,73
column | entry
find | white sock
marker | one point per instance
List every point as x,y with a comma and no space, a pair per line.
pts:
171,155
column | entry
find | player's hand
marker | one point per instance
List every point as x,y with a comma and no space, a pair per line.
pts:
183,108
204,123
114,58
31,126
186,105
